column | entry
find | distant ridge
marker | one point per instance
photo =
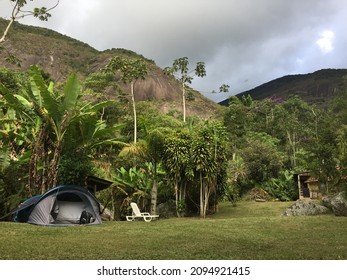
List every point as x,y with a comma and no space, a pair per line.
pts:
318,87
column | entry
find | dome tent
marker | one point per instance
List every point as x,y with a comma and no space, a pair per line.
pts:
62,205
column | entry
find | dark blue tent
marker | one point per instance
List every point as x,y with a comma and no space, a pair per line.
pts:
24,210
62,205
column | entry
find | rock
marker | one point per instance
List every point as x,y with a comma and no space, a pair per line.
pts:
337,203
259,194
167,209
304,208
106,215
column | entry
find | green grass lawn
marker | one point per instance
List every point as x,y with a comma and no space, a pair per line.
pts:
249,231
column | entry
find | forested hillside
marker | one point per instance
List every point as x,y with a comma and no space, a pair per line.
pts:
317,88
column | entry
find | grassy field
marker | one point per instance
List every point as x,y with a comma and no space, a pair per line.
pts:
249,231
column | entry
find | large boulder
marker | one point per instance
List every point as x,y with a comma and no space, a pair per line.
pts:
337,203
305,208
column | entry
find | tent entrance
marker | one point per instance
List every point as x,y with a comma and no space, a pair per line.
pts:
68,208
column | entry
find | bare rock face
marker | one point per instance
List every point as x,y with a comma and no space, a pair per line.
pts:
337,203
304,208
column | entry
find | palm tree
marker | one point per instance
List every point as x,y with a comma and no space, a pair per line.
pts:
149,150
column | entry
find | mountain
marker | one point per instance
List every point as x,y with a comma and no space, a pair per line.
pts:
315,88
59,56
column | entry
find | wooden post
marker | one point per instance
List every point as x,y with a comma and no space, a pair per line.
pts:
301,196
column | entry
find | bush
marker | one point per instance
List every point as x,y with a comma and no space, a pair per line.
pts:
12,187
282,188
74,169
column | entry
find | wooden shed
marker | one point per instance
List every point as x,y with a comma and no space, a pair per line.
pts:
308,186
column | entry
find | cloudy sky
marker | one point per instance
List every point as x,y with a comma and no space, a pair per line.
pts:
243,43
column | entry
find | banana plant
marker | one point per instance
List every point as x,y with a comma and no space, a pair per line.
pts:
134,183
60,117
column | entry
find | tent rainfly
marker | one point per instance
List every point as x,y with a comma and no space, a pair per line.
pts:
62,205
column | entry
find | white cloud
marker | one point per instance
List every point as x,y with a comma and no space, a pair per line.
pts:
326,41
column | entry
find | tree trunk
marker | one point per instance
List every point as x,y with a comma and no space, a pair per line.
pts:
292,148
134,111
154,195
182,198
201,197
177,199
184,102
54,166
154,192
113,204
38,154
15,12
207,191
44,184
2,39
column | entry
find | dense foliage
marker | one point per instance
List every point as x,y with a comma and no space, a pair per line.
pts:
59,134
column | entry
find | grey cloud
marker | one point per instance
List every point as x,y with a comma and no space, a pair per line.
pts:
243,42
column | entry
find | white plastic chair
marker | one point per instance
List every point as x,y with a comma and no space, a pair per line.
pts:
138,214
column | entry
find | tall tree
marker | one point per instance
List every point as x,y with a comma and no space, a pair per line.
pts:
181,71
262,157
292,118
131,70
208,158
176,156
293,122
328,149
237,121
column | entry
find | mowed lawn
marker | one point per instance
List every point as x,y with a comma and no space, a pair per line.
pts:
252,230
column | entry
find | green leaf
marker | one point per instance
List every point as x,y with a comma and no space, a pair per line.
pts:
24,101
71,93
42,96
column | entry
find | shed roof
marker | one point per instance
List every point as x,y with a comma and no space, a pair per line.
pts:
96,184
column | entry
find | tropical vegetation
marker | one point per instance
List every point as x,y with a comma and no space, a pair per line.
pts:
59,134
